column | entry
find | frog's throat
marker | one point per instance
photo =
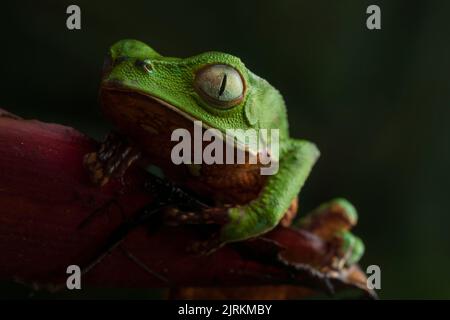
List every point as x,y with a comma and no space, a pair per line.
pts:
223,136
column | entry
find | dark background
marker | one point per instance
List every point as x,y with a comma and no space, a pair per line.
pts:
375,102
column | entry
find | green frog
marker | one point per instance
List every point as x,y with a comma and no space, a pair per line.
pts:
147,96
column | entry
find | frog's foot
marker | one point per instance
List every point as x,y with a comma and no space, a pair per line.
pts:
349,249
113,158
206,247
217,216
175,216
332,222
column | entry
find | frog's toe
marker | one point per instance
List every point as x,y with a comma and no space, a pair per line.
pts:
175,216
290,214
97,174
331,222
349,247
206,247
330,218
346,210
112,159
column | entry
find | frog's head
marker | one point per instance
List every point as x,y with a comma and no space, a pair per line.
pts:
215,88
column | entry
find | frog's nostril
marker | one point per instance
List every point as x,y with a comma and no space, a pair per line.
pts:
109,62
145,65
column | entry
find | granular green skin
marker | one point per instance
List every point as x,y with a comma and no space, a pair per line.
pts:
136,67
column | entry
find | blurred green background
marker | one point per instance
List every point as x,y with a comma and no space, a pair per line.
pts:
375,102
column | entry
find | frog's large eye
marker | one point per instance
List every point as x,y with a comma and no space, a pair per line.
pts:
220,84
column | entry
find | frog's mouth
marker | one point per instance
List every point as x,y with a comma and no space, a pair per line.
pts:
127,108
118,90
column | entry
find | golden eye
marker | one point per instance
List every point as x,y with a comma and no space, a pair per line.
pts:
220,84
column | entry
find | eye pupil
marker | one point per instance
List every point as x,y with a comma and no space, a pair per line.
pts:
145,65
223,84
220,85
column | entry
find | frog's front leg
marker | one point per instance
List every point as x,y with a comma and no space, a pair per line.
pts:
113,158
277,199
332,222
265,212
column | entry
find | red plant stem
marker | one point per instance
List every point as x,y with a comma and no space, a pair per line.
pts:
45,195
